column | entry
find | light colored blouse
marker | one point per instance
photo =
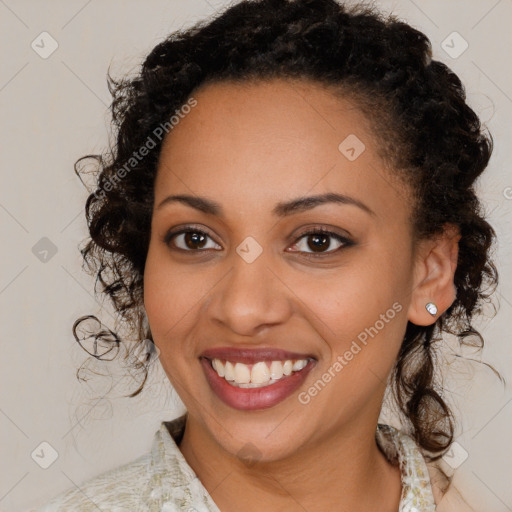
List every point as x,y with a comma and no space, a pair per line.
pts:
162,480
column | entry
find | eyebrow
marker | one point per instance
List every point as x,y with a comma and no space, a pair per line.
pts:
283,209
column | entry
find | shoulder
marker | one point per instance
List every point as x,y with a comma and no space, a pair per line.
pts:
117,489
422,480
158,480
446,495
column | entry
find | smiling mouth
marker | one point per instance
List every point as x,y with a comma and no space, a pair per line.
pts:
257,375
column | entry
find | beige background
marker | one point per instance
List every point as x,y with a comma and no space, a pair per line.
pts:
54,110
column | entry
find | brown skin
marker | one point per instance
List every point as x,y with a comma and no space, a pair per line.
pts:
249,147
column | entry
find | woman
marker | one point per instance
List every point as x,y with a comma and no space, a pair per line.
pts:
289,215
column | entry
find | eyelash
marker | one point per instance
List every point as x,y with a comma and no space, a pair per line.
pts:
309,255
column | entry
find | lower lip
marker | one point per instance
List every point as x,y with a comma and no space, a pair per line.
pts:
251,399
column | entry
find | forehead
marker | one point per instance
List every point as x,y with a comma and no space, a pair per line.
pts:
262,142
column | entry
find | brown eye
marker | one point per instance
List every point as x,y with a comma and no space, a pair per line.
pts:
194,240
320,242
190,240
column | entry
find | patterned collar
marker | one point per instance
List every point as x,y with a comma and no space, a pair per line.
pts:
174,485
400,448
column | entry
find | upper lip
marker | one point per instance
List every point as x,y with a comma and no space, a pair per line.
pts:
251,356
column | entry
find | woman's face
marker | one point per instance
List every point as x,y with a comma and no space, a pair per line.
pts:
256,290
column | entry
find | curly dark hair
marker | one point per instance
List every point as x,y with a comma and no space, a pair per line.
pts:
432,138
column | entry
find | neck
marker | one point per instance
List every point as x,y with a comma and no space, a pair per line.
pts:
345,469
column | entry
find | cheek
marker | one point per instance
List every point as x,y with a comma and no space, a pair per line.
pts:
361,312
169,298
352,298
362,316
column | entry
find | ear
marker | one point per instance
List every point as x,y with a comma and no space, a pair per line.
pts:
434,269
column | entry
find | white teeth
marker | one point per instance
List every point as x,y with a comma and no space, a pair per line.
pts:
287,367
229,373
276,370
242,374
298,365
218,367
260,374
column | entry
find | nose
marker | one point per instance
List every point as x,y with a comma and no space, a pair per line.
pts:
250,298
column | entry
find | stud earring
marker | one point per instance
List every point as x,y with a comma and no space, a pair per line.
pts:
431,308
